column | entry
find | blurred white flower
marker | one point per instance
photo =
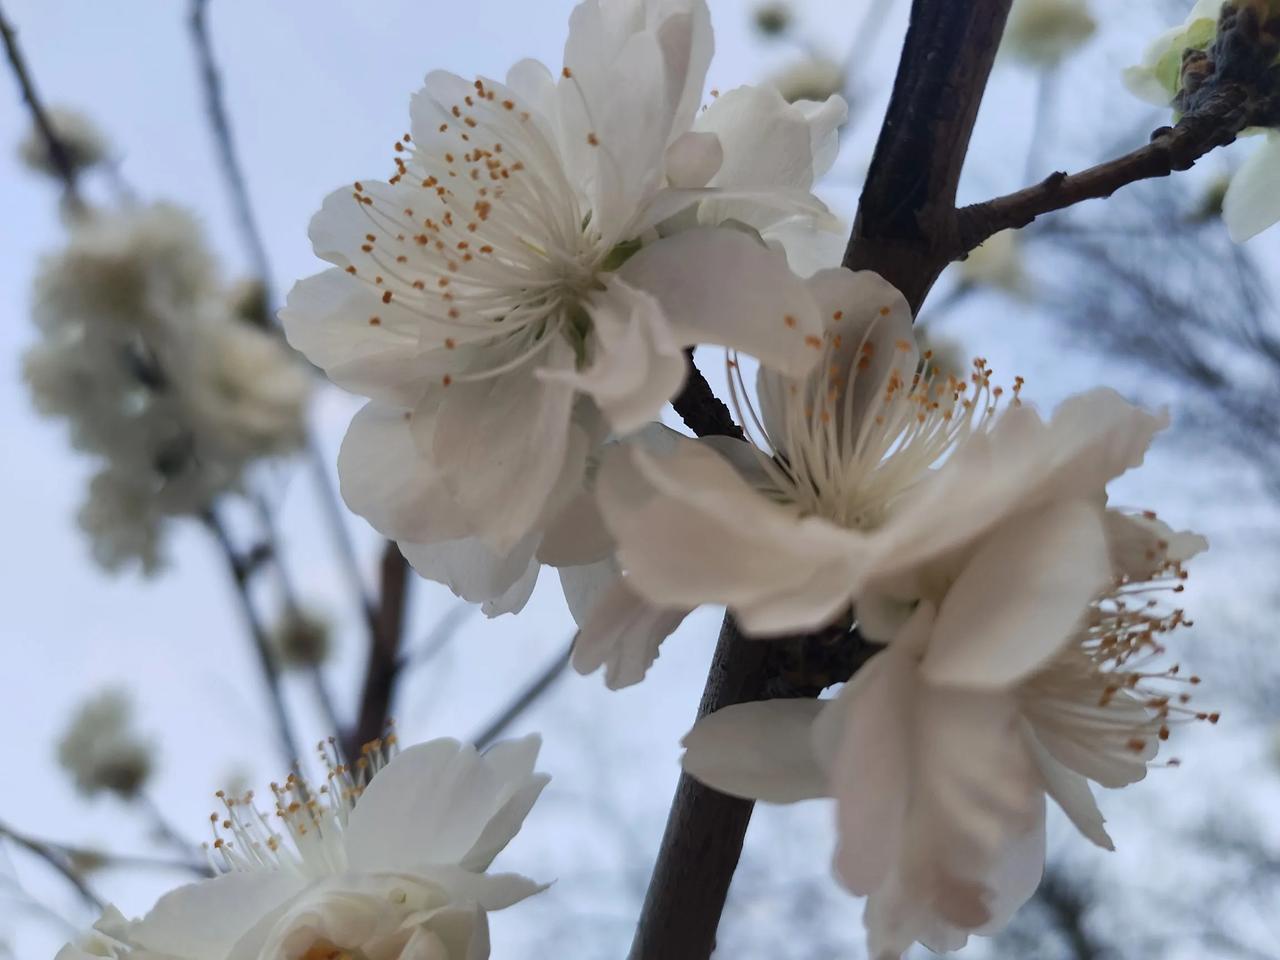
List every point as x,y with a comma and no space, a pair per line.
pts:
939,752
527,280
774,18
83,142
141,354
816,78
101,749
394,869
997,263
302,638
1251,203
1045,32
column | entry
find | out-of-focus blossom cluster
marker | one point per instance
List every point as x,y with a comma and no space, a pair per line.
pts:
147,357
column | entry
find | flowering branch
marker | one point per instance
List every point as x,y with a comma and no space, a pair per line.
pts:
58,152
701,410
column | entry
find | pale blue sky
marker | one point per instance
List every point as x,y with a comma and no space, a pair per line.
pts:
318,92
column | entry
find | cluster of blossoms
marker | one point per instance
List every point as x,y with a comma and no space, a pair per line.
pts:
387,859
101,749
1245,36
516,302
148,358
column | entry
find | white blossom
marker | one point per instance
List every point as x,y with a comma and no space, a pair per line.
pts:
1252,201
526,281
397,869
940,751
997,263
101,749
1045,32
83,143
815,78
140,353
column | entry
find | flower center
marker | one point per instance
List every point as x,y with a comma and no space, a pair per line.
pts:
324,950
842,446
1108,690
311,819
482,232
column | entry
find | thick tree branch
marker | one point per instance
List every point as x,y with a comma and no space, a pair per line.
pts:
904,230
58,151
906,218
703,839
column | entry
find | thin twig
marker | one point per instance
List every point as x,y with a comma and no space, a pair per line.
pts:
232,170
58,151
58,860
1171,149
258,636
525,699
252,237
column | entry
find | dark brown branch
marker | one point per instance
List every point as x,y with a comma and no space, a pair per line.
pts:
1171,149
525,699
906,217
703,839
58,151
701,410
383,663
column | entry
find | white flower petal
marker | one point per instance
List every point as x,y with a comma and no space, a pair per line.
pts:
693,159
386,479
756,304
1141,545
476,572
635,366
1020,598
1072,793
691,531
759,751
1020,463
870,770
327,318
618,629
204,920
503,446
512,761
768,143
1252,202
436,803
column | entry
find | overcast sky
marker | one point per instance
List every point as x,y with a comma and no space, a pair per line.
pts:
318,92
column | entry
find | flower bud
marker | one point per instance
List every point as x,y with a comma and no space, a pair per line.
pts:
83,144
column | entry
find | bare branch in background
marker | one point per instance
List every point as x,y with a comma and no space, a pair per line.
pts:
525,699
59,861
258,635
251,234
57,149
